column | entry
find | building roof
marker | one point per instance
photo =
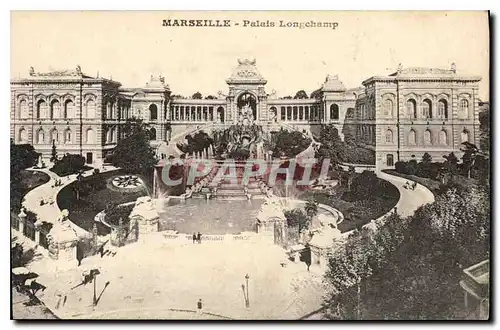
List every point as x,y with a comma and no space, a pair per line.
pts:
246,72
333,84
62,75
424,73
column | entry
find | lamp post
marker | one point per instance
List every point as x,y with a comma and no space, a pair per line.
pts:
94,273
247,302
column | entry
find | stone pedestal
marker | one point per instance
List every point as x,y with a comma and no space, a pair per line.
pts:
62,244
144,217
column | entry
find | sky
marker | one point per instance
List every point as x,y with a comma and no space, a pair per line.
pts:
130,46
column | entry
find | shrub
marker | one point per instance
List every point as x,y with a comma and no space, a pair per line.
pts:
401,167
69,164
116,212
411,167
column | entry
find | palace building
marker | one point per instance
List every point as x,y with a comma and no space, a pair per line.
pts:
400,116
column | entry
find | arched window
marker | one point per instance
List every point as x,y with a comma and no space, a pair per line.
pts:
23,135
55,110
69,109
108,135
220,114
412,137
388,136
90,109
111,135
443,137
41,109
388,108
390,160
152,133
411,108
109,110
153,112
464,109
442,109
23,109
427,137
464,136
67,136
40,136
427,109
54,136
90,136
334,112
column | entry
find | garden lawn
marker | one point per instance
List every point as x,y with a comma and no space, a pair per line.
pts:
28,180
362,204
93,200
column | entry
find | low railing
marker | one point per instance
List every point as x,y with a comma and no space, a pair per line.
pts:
29,230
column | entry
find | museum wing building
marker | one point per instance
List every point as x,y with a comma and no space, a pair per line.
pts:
400,116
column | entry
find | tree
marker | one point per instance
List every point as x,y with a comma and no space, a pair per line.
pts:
484,127
210,97
69,164
449,168
22,156
311,208
469,157
297,218
426,158
134,153
348,267
289,144
350,174
451,163
301,95
316,94
332,147
197,96
132,126
53,157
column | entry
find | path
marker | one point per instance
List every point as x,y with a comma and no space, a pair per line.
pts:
48,191
154,275
410,200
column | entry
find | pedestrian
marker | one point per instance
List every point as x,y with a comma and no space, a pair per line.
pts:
199,238
79,254
194,238
414,185
200,305
101,250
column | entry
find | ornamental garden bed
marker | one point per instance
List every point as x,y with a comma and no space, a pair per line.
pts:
367,198
94,196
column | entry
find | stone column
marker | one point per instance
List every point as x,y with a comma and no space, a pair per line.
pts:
22,219
37,231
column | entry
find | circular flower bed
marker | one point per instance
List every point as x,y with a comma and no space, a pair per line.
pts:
126,183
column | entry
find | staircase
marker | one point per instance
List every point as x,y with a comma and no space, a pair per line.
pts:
228,190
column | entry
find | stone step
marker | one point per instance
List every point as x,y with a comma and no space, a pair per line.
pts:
229,192
252,185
